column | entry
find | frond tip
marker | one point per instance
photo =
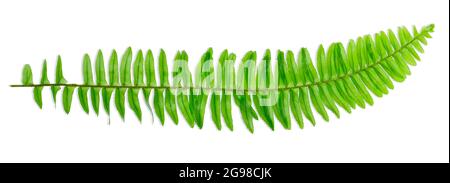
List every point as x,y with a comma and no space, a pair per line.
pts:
342,77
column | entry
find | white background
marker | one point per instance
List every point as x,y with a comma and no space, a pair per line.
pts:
411,124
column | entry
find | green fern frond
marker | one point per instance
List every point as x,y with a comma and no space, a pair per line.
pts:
343,77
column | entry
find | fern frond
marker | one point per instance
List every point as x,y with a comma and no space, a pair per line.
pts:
343,78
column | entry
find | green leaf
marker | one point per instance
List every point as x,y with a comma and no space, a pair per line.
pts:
59,79
292,70
59,72
324,93
120,101
203,72
149,68
67,98
311,76
183,105
354,67
162,68
228,82
37,94
169,101
133,101
106,97
215,110
243,100
181,69
149,75
95,98
338,71
82,95
171,106
305,105
27,75
88,80
331,87
346,83
281,108
159,104
113,71
215,84
159,101
391,67
263,97
125,80
100,80
225,106
37,91
125,68
138,76
169,97
100,74
138,69
87,70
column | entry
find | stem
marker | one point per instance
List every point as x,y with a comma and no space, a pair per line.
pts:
230,89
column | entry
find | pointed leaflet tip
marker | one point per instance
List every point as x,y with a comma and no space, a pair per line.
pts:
209,53
185,55
177,56
247,55
232,56
225,51
267,55
429,28
254,56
